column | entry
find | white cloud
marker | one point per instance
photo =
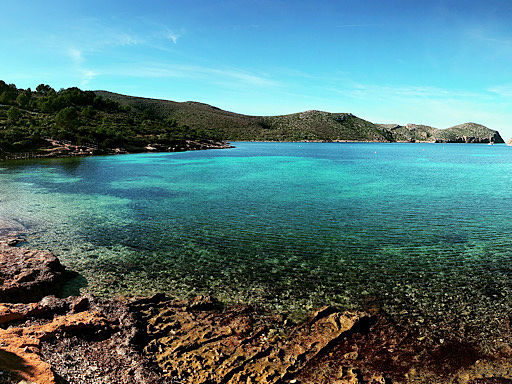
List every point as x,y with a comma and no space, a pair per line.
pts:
88,38
77,59
87,76
173,36
224,76
358,25
504,90
75,55
387,92
487,36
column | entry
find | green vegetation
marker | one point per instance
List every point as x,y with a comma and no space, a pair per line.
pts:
303,126
29,119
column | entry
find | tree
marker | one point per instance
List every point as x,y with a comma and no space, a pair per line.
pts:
23,99
67,118
3,86
7,97
13,114
44,89
88,111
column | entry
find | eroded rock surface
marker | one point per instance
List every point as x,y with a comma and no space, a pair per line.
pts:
73,340
198,342
53,340
20,346
109,355
159,340
27,275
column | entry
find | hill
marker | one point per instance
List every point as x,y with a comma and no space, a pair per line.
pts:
70,122
303,126
463,133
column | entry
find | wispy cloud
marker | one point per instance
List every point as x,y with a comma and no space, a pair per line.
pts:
173,36
504,90
75,55
358,25
88,36
87,76
83,41
77,60
486,35
358,90
490,43
197,72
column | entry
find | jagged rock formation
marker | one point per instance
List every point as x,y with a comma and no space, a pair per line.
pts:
199,341
209,346
20,346
463,133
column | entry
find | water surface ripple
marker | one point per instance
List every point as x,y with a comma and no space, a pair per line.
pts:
422,230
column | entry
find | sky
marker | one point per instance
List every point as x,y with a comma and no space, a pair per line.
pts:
438,63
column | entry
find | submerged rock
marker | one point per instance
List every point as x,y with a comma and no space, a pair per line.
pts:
13,242
159,340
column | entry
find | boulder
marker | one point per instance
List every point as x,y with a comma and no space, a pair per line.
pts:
28,275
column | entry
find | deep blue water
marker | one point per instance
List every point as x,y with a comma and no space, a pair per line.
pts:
422,230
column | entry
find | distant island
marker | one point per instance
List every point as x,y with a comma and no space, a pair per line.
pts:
72,122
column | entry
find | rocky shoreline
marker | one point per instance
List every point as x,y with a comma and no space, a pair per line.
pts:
63,149
83,339
59,149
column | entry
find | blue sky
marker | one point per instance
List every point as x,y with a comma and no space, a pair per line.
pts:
439,63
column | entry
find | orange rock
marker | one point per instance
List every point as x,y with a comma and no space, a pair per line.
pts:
211,346
19,347
11,312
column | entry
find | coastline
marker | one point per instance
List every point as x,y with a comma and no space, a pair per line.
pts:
61,149
376,348
158,339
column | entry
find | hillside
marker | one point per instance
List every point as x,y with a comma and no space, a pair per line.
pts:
303,126
72,122
463,133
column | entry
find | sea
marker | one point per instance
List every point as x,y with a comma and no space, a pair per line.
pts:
423,232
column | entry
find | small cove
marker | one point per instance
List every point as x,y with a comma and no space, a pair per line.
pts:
420,230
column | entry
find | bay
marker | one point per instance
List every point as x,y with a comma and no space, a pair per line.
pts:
422,231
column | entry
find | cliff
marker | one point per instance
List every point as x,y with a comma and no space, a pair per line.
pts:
462,133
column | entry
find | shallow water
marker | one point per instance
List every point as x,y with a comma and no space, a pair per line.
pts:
422,230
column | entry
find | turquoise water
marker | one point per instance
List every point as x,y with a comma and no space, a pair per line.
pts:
421,230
